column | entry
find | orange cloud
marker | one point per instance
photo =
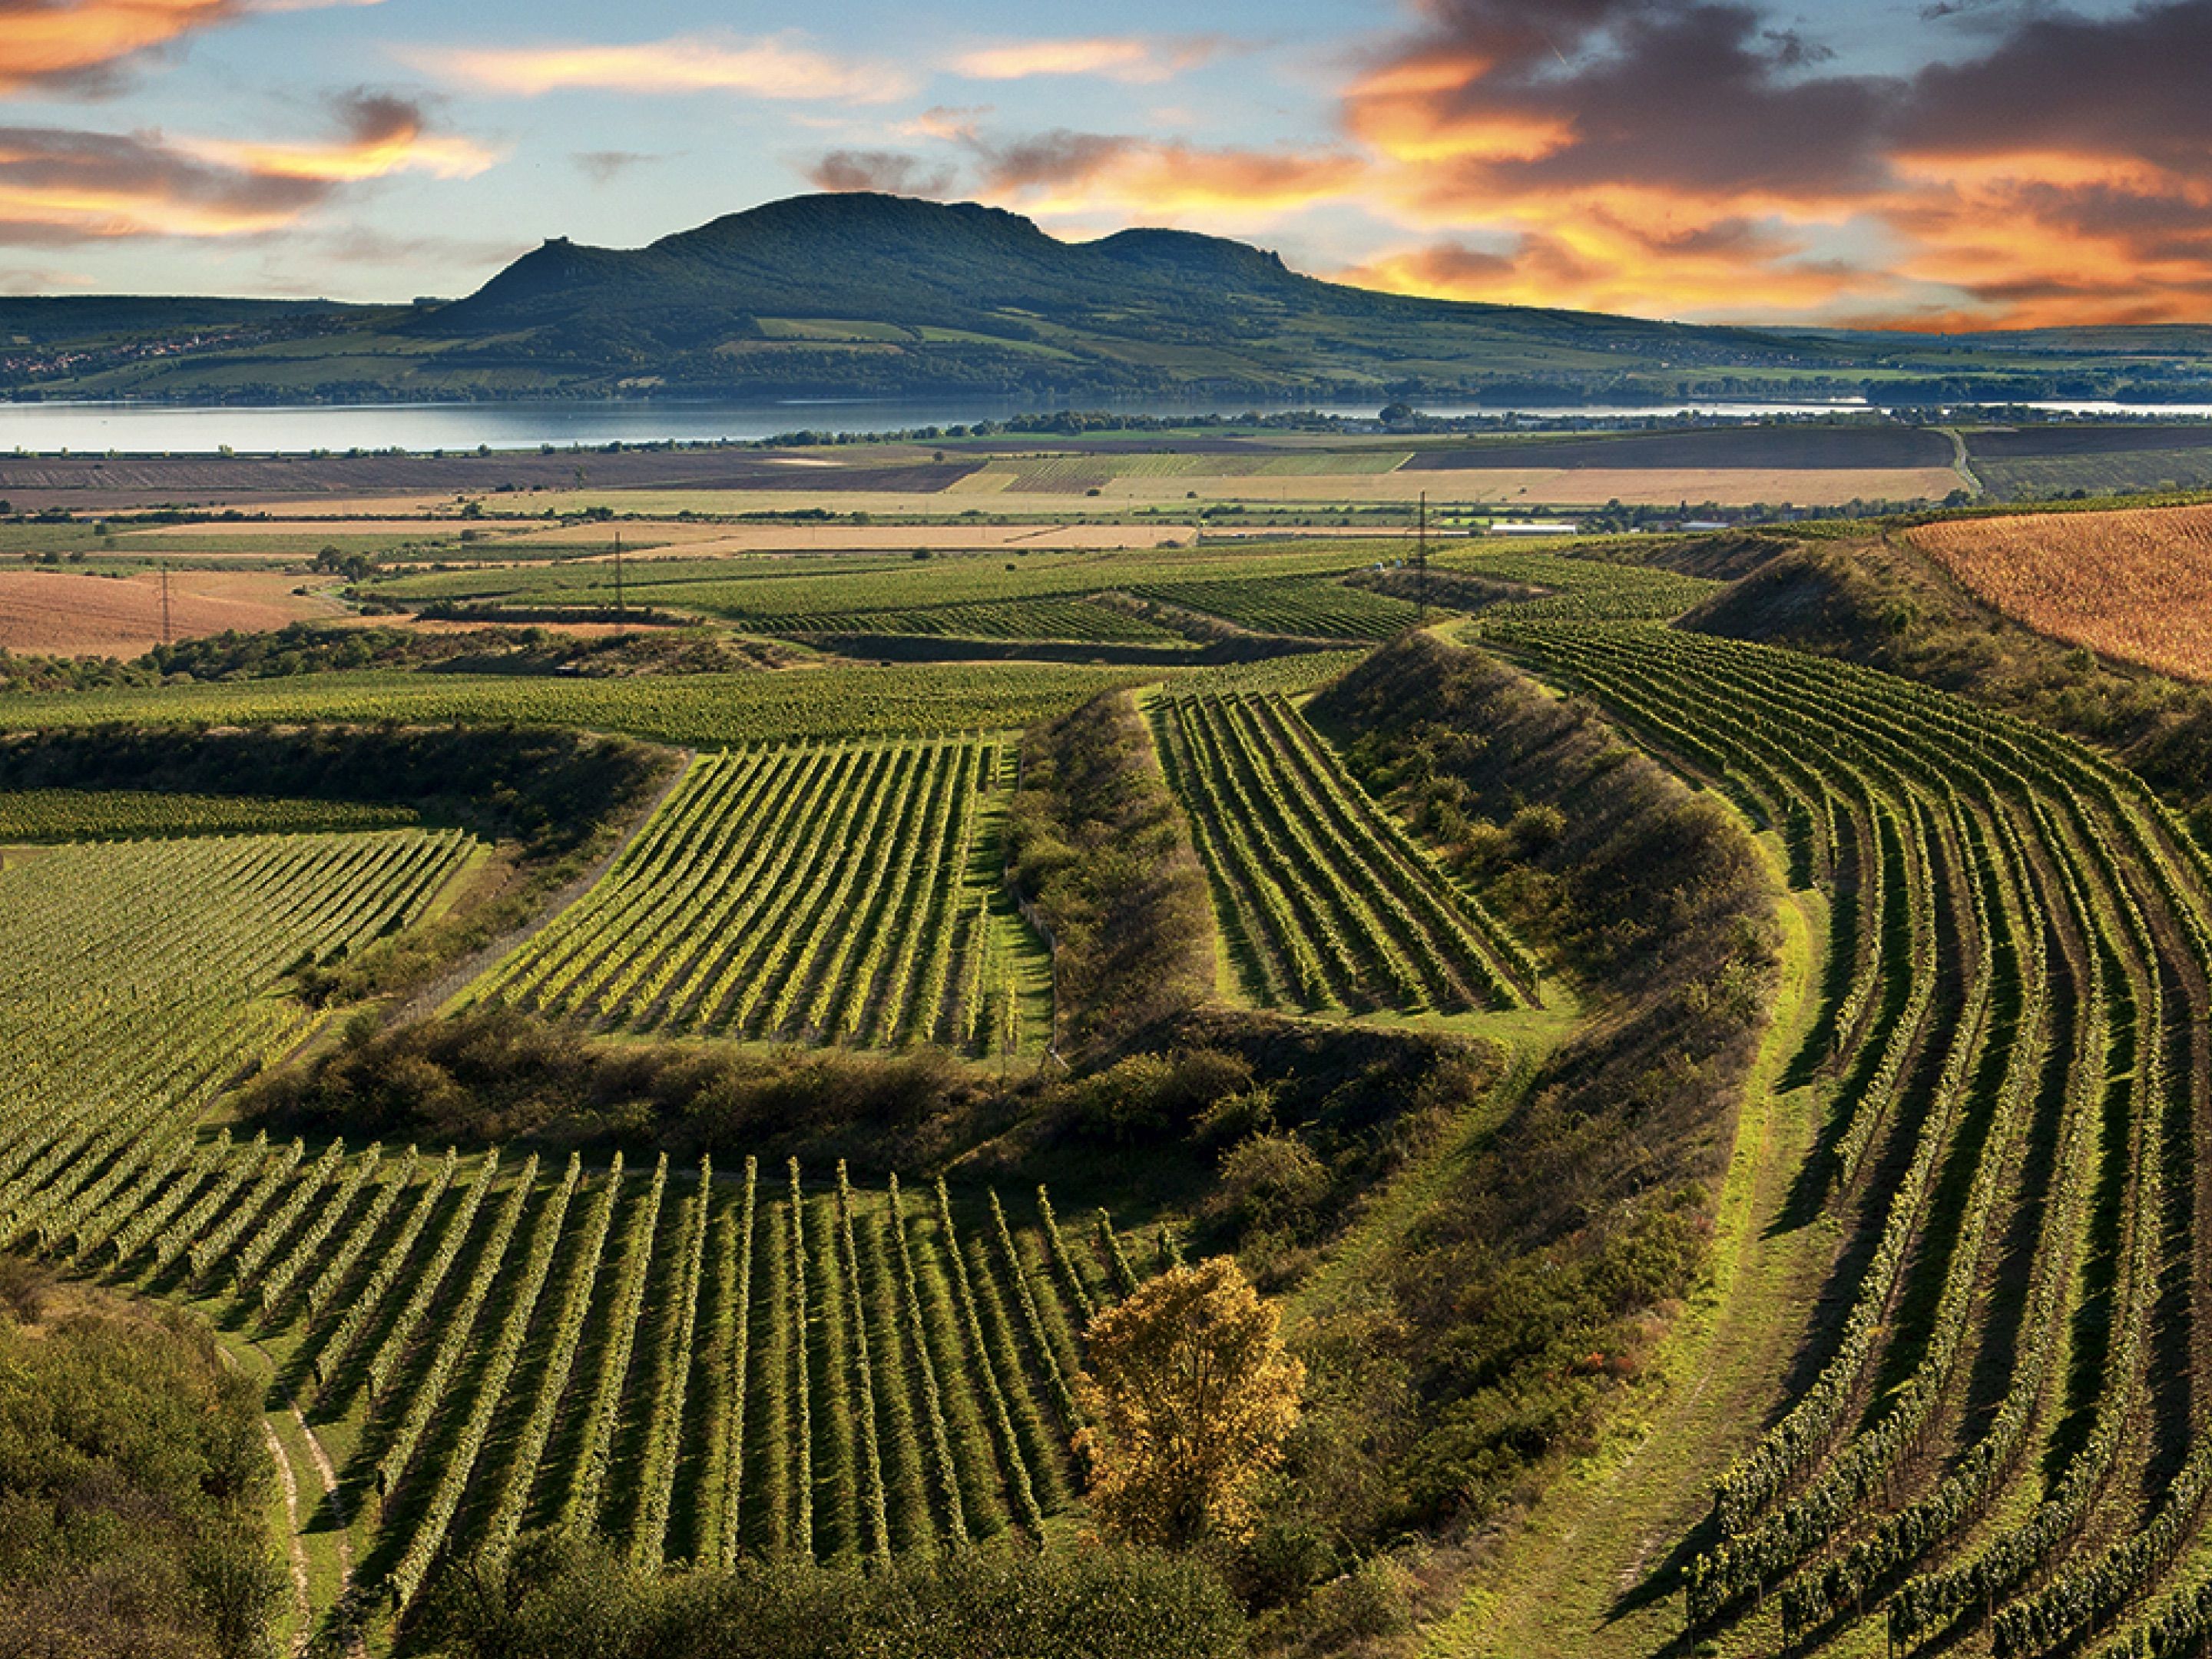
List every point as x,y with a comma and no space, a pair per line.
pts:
384,135
76,41
779,66
59,186
52,40
1059,173
1685,158
1135,58
1587,258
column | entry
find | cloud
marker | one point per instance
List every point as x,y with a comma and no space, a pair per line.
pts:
1689,157
604,167
60,186
886,172
952,122
1138,59
32,283
383,134
1077,173
82,44
781,66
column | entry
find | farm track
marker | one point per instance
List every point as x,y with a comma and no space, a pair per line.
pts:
1985,1441
448,985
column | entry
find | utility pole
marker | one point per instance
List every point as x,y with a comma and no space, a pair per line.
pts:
1421,567
165,602
621,608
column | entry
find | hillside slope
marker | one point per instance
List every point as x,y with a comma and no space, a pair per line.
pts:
870,295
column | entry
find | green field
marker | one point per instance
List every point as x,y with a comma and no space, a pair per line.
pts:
1721,1124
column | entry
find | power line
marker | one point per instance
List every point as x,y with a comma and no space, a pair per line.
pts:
1421,567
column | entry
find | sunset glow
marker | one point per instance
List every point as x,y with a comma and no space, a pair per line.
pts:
2000,167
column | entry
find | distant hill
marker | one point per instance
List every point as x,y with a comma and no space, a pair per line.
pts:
875,294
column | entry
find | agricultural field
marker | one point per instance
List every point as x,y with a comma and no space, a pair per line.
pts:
2136,585
2010,1067
139,981
843,894
1718,1123
68,614
2025,463
1325,904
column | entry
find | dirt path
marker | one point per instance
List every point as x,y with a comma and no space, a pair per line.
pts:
303,1600
456,978
1587,1575
303,1605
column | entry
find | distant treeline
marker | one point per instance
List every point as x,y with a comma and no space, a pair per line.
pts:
547,789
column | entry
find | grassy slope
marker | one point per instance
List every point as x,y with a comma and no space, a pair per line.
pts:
1583,1575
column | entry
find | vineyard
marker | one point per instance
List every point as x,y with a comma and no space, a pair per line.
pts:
1324,902
695,1364
1289,590
63,815
2132,585
1995,1435
838,894
138,982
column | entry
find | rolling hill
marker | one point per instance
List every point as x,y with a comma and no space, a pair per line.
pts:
877,295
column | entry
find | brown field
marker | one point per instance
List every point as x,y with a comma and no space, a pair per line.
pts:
2136,585
53,613
308,523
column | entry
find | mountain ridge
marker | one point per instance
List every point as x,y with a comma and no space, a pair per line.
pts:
882,295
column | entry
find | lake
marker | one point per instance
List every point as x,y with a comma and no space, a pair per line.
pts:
177,429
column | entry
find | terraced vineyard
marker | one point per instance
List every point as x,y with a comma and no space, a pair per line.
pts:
137,981
698,1366
845,893
1325,901
1995,1434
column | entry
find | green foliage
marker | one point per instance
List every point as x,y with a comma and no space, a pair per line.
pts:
1523,1296
1095,844
132,1482
561,1598
492,1077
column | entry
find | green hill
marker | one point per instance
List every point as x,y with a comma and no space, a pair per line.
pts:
868,294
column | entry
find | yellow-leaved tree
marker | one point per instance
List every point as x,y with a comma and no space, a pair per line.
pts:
1190,1394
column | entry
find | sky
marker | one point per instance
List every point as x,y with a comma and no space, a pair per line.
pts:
1924,164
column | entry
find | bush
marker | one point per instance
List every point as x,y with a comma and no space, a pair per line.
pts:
133,1478
1097,845
561,1599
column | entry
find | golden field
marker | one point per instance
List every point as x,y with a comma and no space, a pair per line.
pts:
2134,584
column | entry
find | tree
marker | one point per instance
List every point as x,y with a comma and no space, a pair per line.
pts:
1190,1394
